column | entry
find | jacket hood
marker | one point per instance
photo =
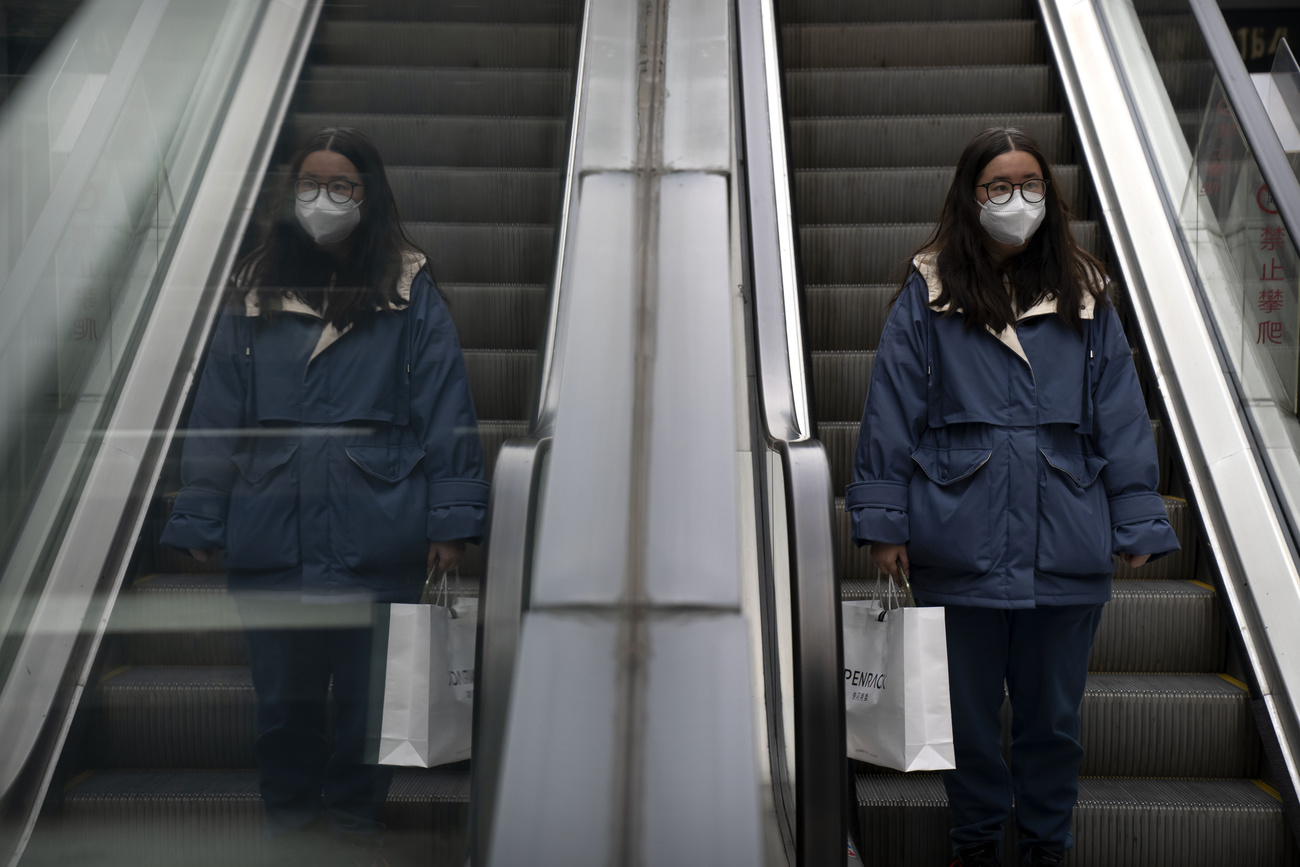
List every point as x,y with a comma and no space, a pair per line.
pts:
411,265
927,265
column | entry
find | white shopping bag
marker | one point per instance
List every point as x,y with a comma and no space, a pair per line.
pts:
897,710
428,684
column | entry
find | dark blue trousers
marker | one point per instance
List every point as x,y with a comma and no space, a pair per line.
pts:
295,652
1042,656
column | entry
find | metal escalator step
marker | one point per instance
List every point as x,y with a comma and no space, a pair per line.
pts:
179,619
1167,725
494,434
494,316
890,195
485,253
440,140
841,438
912,43
418,43
839,383
510,11
855,563
934,140
881,252
436,90
1118,822
214,818
847,317
854,11
919,90
502,382
462,195
1187,82
175,717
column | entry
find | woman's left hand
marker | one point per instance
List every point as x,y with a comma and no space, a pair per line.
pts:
446,555
1134,560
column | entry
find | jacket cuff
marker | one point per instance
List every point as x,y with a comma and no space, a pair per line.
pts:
1140,525
878,511
198,520
885,495
457,510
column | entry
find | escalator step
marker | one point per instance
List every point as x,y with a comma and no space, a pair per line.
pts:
1174,37
458,195
425,140
912,43
839,383
1117,822
485,253
855,562
215,818
435,90
841,439
418,43
889,195
1187,82
919,90
841,318
847,11
933,140
493,316
502,381
880,253
180,619
510,11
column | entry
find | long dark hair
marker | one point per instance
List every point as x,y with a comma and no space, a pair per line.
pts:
286,261
1052,266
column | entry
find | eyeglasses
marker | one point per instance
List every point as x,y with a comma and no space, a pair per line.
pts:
999,192
339,191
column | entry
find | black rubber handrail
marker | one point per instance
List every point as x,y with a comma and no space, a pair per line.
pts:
780,388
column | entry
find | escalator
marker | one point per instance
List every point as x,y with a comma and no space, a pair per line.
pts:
468,105
880,100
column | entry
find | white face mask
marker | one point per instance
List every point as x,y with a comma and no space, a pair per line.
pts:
1015,222
326,220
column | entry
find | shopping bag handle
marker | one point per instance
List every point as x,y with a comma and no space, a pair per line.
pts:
908,600
441,594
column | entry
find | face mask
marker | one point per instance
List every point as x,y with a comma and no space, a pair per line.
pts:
326,220
1015,222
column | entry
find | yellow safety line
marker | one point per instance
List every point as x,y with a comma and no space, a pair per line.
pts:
76,780
1209,587
114,673
1266,787
1232,680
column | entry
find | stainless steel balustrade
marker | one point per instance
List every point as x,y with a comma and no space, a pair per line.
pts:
164,146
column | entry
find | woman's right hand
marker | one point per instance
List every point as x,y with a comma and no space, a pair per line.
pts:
889,558
202,556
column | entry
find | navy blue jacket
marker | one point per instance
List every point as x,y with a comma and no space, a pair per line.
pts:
1013,466
324,462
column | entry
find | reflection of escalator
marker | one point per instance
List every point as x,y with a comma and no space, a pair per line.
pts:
468,107
879,106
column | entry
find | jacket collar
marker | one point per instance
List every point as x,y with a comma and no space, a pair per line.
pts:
927,264
289,303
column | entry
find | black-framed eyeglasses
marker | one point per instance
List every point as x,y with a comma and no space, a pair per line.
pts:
999,192
339,190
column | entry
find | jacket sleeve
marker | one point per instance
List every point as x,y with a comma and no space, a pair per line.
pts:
1122,435
442,414
892,422
198,519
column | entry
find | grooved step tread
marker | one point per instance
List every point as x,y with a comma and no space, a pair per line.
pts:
855,11
437,194
447,44
919,90
497,316
435,90
929,140
444,140
485,253
912,43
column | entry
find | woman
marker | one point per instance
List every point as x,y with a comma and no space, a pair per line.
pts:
1005,455
333,454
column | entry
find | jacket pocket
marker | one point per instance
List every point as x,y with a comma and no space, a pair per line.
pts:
387,507
262,521
949,503
1074,536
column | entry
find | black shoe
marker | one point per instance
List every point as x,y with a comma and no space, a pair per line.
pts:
979,855
1041,856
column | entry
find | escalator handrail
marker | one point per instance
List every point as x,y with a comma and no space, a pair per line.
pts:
1249,109
72,615
820,775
